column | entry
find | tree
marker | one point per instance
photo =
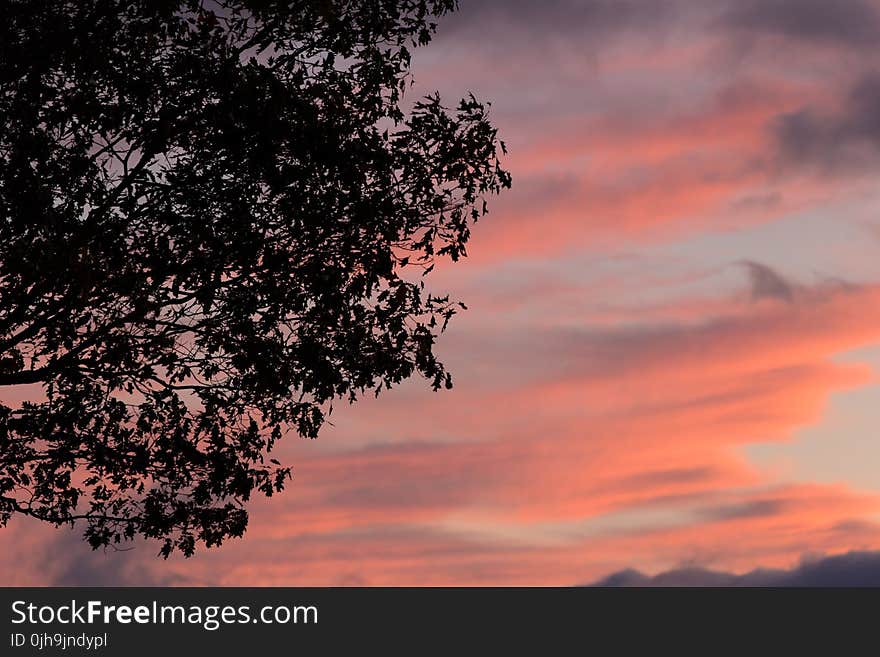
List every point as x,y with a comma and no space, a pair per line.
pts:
215,220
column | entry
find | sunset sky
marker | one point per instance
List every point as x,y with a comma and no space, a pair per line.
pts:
672,347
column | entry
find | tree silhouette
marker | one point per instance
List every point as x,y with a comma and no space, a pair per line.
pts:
215,219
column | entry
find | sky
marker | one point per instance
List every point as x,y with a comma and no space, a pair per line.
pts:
669,367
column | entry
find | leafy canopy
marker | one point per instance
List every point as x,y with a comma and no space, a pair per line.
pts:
215,219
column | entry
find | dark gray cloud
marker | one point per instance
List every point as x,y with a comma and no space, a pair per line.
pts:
841,22
765,283
850,569
847,23
556,17
841,140
751,509
74,563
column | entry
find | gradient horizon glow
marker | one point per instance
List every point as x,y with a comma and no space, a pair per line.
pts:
672,349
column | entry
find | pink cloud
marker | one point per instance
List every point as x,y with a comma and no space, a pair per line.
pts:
616,423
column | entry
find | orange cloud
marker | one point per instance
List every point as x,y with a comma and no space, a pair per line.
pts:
622,450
